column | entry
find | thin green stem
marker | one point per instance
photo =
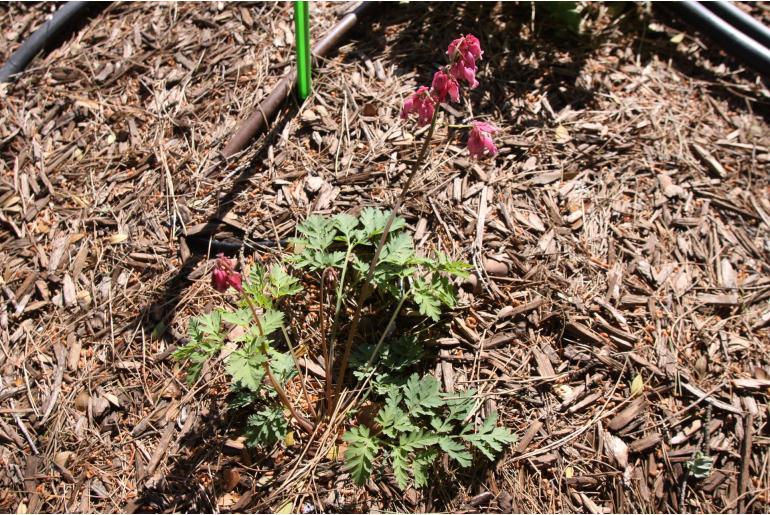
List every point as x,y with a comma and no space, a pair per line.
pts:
335,322
324,346
367,288
299,371
307,426
388,329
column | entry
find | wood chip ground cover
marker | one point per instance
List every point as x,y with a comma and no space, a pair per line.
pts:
619,321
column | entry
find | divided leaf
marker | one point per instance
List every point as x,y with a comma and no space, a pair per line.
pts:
398,250
346,224
490,439
254,286
271,321
460,405
400,459
421,465
393,419
422,396
240,317
446,265
374,221
206,340
360,454
246,368
319,232
281,283
266,427
456,451
430,295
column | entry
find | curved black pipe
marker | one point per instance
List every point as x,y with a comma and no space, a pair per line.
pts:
740,20
19,60
733,41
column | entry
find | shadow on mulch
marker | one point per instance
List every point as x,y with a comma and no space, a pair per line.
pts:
649,44
430,27
178,491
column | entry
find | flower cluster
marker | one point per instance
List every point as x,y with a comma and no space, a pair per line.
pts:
463,53
224,275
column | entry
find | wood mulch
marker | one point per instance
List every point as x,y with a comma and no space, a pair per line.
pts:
621,236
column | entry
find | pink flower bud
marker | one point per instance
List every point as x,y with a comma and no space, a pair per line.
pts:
480,140
224,275
219,280
444,86
463,53
421,103
234,280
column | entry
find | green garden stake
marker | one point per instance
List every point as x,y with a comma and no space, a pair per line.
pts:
302,37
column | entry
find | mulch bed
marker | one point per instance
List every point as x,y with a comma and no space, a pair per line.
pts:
621,234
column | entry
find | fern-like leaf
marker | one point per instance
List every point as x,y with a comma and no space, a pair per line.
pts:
374,221
490,439
319,232
246,368
421,465
400,459
360,454
266,427
422,395
456,451
393,419
281,284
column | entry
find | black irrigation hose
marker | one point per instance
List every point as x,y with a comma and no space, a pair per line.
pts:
740,20
732,40
64,17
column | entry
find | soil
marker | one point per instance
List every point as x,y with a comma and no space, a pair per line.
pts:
619,321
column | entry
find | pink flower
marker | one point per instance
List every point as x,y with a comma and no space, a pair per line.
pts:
480,140
224,275
463,53
445,85
460,71
466,48
421,103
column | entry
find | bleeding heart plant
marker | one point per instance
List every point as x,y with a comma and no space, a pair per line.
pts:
340,262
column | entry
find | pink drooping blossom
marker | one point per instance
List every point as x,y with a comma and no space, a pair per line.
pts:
421,103
462,72
480,141
225,276
444,85
463,53
465,47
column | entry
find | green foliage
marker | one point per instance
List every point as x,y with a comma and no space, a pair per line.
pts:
254,349
327,242
392,361
490,439
406,442
360,453
266,427
417,422
422,396
246,368
282,284
206,340
700,466
255,287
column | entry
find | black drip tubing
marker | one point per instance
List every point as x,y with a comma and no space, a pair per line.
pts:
62,18
729,38
740,20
